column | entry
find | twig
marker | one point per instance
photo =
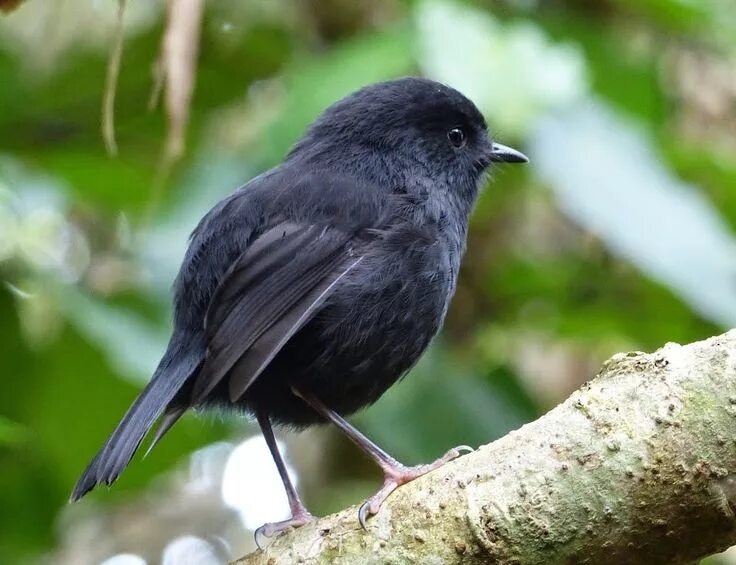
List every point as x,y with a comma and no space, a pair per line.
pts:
111,83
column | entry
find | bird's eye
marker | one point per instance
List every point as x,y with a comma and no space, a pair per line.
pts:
456,137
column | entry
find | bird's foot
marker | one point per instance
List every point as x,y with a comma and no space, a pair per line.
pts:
299,518
397,474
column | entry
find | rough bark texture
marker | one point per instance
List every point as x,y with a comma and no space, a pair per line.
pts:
637,466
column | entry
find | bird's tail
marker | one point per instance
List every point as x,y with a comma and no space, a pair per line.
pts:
176,366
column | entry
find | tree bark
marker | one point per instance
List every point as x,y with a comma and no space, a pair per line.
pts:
637,466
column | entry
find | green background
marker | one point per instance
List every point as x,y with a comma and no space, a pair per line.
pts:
618,236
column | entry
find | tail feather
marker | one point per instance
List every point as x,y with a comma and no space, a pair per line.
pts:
170,418
177,365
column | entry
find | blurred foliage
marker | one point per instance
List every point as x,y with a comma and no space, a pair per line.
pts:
618,236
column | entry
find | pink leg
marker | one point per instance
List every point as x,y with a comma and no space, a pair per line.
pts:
299,514
395,474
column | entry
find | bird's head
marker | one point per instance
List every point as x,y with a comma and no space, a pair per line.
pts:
427,123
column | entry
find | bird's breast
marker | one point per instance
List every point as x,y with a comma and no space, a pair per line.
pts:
386,314
370,331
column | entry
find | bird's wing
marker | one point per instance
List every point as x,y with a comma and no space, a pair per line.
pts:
266,296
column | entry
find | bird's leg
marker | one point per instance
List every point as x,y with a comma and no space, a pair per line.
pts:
299,514
395,474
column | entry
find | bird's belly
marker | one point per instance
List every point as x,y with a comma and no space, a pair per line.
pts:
352,352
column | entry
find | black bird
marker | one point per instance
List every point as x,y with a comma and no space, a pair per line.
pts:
308,292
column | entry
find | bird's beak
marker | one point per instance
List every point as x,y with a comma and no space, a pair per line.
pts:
503,154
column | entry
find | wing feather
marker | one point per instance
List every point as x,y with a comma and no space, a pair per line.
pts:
257,358
270,292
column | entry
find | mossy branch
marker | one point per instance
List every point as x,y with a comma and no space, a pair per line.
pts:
637,466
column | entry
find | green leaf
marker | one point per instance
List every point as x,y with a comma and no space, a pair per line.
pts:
620,191
11,433
133,345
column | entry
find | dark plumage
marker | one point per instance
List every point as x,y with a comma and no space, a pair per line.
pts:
314,287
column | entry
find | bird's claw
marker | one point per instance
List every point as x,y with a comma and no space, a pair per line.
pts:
390,484
461,449
259,536
398,475
363,513
272,528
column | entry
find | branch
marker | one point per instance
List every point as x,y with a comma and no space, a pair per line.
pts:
637,466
